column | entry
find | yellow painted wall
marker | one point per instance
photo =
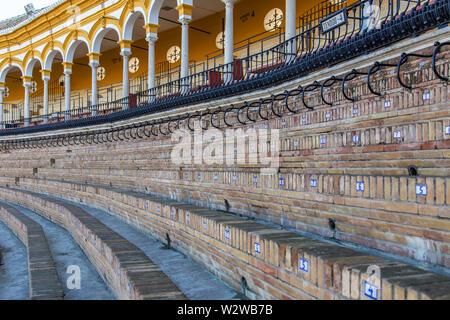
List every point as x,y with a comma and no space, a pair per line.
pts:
200,44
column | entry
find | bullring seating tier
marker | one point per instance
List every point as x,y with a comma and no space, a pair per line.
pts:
43,280
126,269
271,260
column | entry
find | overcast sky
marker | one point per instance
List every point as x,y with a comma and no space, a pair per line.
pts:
12,8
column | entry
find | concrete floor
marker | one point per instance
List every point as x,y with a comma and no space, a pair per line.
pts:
14,271
66,252
194,281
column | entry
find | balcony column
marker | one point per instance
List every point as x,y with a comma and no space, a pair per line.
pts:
152,37
26,113
67,93
185,16
291,28
94,63
229,38
125,52
2,92
45,79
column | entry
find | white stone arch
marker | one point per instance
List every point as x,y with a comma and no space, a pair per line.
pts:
68,57
130,22
155,8
30,66
153,15
98,38
48,60
7,68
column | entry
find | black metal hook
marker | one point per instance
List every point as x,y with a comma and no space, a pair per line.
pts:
225,115
251,105
348,77
404,59
261,102
326,84
292,93
239,112
309,88
435,53
374,69
278,97
211,118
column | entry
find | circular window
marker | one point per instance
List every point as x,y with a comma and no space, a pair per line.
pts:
174,54
33,86
220,40
273,19
133,65
101,73
6,92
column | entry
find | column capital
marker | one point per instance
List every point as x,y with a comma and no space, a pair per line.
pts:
185,12
2,86
45,75
125,52
94,56
151,28
67,67
94,64
125,44
229,2
27,81
151,37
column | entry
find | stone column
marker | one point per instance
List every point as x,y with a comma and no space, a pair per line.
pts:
45,79
94,63
2,92
152,37
185,16
67,92
291,29
26,113
229,38
125,52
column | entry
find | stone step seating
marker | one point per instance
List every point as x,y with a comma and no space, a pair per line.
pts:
43,279
276,264
387,215
126,269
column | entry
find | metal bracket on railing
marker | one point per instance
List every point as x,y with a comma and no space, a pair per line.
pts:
189,121
292,93
138,134
211,118
225,115
148,135
278,97
109,135
309,88
348,77
403,59
154,123
326,84
261,102
374,69
239,112
435,53
113,136
201,118
120,130
251,105
64,141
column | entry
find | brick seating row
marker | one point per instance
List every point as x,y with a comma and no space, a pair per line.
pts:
125,268
276,263
43,280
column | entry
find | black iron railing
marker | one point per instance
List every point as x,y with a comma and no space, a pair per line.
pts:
361,27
